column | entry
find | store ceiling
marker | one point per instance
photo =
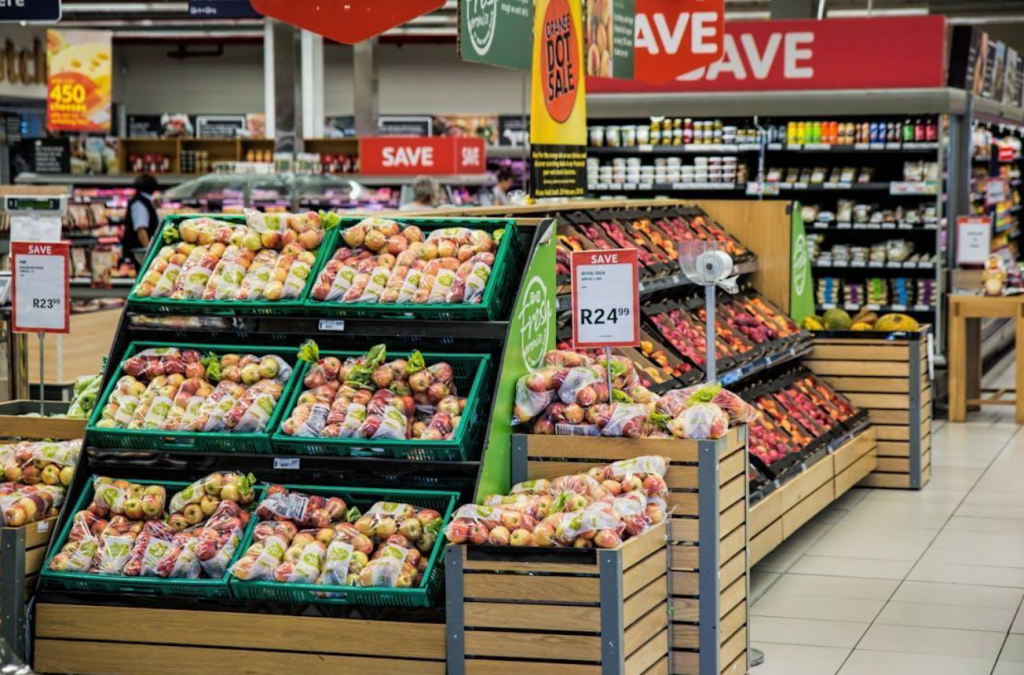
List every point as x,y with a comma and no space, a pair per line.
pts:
168,19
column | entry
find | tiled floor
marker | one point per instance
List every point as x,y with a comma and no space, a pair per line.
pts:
901,583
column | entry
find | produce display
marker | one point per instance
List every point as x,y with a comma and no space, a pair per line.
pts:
369,397
268,258
47,462
133,530
569,396
598,509
85,391
171,389
838,319
382,261
310,539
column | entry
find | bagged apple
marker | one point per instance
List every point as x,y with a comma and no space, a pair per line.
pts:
152,544
389,570
181,562
220,537
227,486
675,403
702,419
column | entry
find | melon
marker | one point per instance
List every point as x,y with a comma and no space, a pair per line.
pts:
896,322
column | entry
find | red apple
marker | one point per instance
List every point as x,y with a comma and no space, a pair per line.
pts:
500,536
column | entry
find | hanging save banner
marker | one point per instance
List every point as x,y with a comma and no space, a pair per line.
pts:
558,120
78,86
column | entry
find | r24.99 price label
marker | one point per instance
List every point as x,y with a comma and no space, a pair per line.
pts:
599,316
605,299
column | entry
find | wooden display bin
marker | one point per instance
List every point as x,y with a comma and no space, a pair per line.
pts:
22,551
887,375
103,640
826,478
708,584
603,610
14,423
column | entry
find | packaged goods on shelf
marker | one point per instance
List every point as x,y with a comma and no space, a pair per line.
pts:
35,462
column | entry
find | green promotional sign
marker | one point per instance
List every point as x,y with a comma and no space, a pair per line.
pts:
801,286
531,334
496,32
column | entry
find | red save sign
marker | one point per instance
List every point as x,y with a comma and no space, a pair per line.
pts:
605,298
401,155
41,297
676,36
814,55
348,22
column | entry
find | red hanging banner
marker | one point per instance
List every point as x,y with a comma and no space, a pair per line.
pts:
348,21
676,36
410,155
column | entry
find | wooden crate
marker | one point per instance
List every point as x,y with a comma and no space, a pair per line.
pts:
102,640
708,583
571,611
829,475
15,424
888,376
22,551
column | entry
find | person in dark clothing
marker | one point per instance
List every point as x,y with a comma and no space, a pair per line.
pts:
141,221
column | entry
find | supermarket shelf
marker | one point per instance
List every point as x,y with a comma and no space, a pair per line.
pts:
85,180
797,351
875,227
904,309
672,150
469,180
877,267
931,146
665,187
506,152
991,111
87,282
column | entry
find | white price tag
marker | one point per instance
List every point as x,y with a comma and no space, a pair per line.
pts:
41,292
287,462
335,325
605,298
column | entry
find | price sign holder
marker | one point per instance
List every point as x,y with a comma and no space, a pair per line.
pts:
605,301
41,296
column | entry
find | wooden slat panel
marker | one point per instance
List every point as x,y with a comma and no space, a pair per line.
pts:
732,466
639,548
854,474
738,666
641,631
765,542
648,655
531,589
732,596
732,543
685,557
659,668
734,620
678,476
526,567
886,480
238,630
732,517
491,667
858,352
853,450
683,503
685,610
886,433
797,489
893,449
686,636
526,617
882,385
889,416
640,603
111,658
19,426
557,647
685,663
764,513
34,559
732,492
638,576
685,583
733,569
685,529
887,401
39,533
793,519
610,449
893,465
842,368
734,646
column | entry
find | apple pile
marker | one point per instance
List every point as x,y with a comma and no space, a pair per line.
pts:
132,530
268,258
369,397
703,411
383,262
44,462
21,504
180,390
309,539
600,508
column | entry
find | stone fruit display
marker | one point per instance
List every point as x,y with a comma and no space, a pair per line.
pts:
370,397
269,258
600,508
310,539
173,389
383,262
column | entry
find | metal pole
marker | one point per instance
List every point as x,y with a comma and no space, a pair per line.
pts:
42,373
709,329
365,87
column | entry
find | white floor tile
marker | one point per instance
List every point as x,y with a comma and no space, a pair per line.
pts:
760,581
867,662
815,633
986,525
811,607
852,567
1003,542
989,557
959,594
782,659
973,510
946,616
1013,649
834,587
940,641
1009,668
968,574
1018,623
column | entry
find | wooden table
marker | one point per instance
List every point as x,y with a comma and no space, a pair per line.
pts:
965,314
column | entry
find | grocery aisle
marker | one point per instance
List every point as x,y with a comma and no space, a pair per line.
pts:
892,582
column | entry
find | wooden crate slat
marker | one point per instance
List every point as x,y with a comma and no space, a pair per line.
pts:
732,543
887,401
652,623
860,352
611,449
684,557
495,667
841,368
855,473
888,480
39,533
893,449
240,631
738,666
764,513
765,542
123,658
685,583
685,529
641,602
554,646
639,548
732,596
526,567
732,466
648,655
685,663
853,450
887,433
878,416
797,489
683,503
638,576
732,492
733,621
893,465
532,589
878,385
734,646
659,668
685,636
526,617
793,519
732,517
733,569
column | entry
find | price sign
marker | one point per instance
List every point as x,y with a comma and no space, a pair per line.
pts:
605,298
41,294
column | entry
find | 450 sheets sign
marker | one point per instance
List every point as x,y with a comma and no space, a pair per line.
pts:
558,120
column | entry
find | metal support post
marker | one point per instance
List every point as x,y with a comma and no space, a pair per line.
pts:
12,590
613,656
709,535
312,47
365,87
281,67
709,332
42,373
915,347
455,622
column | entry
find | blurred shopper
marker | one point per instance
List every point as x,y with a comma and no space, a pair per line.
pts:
424,195
141,221
505,182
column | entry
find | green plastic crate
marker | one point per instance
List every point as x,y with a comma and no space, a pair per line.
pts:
471,379
220,307
422,596
496,300
118,585
186,441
